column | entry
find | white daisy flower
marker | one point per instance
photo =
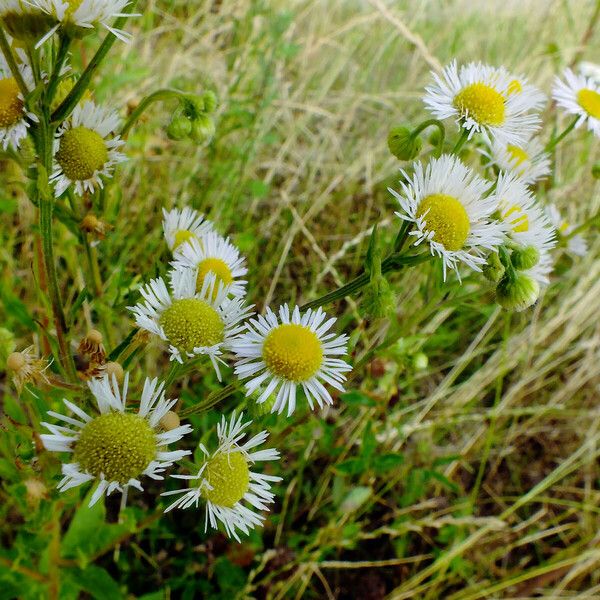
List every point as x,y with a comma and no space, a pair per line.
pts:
294,350
576,244
524,221
580,96
116,447
183,225
445,201
14,117
84,14
225,480
85,149
213,254
591,70
193,323
484,99
530,162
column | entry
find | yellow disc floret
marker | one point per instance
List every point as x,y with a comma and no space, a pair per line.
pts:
517,218
293,352
11,105
447,217
117,445
192,323
589,100
182,236
219,268
229,477
517,155
482,103
81,153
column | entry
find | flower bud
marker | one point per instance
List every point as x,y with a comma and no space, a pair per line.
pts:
420,361
379,300
36,491
92,224
493,269
203,129
179,128
517,293
114,369
26,367
402,144
170,421
7,346
525,258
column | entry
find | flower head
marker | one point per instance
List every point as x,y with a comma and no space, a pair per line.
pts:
576,244
24,20
225,479
213,254
85,149
485,99
524,221
181,226
579,96
26,367
14,117
294,350
115,447
529,162
445,201
192,322
81,16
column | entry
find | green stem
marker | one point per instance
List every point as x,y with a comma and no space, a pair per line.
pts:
164,94
554,142
12,63
424,125
402,235
212,400
73,97
63,50
394,262
585,225
461,141
505,260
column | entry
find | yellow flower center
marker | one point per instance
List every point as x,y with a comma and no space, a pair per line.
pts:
191,323
447,217
589,100
481,103
11,106
229,476
564,226
183,236
73,6
118,445
514,87
81,153
216,266
517,155
516,217
293,352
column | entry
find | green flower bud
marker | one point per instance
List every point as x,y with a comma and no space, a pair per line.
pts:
402,145
179,128
517,293
203,129
434,137
525,258
210,101
420,361
596,171
7,346
494,269
379,299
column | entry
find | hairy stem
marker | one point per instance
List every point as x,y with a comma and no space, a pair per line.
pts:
164,94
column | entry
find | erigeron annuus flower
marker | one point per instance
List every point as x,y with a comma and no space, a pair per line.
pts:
445,201
182,225
24,20
225,479
115,448
485,99
193,323
529,162
575,244
591,70
541,271
14,116
579,96
213,254
80,16
292,351
524,221
26,367
85,149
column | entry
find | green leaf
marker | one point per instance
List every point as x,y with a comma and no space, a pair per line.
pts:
356,398
356,498
387,462
97,582
259,189
352,466
369,443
